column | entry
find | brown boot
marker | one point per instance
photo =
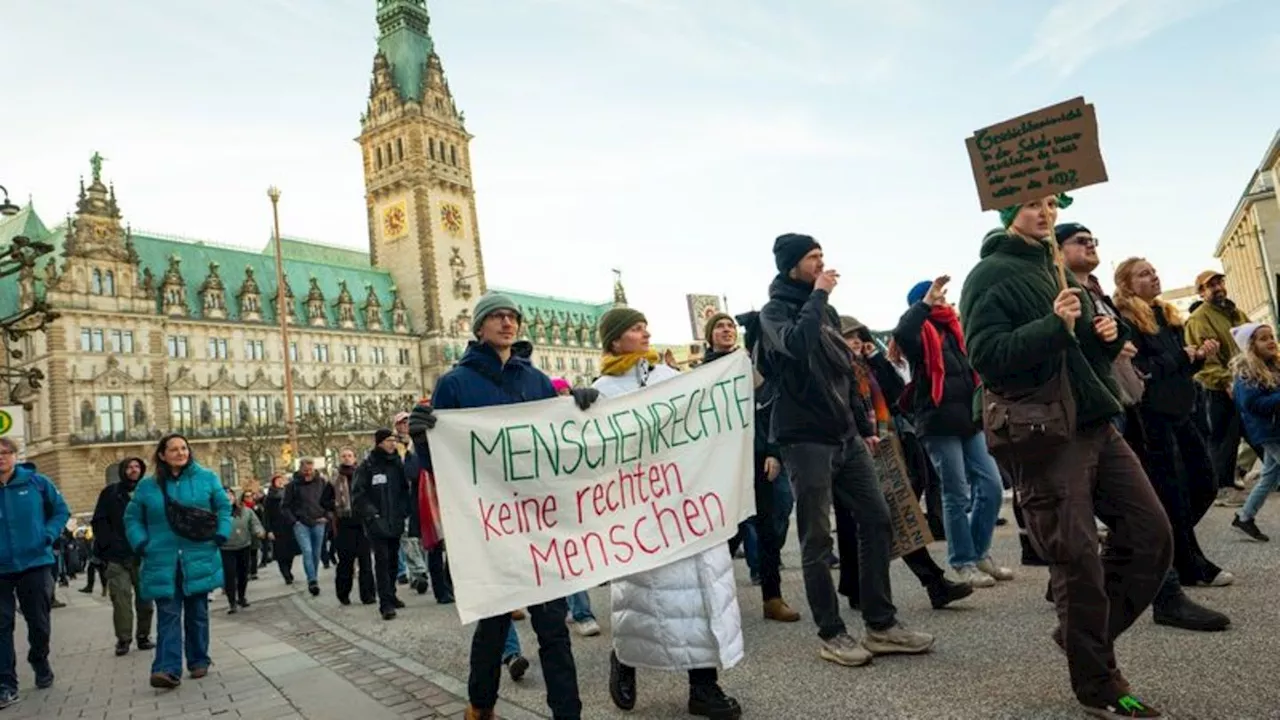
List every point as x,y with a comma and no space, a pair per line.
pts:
778,609
474,714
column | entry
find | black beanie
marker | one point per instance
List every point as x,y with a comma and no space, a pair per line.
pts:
382,434
790,249
1065,231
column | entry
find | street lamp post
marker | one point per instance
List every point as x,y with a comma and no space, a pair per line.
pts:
7,208
282,314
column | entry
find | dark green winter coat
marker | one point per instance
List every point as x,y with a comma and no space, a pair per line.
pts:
1015,342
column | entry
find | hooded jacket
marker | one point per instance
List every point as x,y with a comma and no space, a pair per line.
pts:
163,551
109,540
953,416
1211,322
380,494
32,516
481,379
1016,343
805,357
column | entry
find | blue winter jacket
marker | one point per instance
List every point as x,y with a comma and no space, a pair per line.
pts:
1258,409
480,379
161,550
32,515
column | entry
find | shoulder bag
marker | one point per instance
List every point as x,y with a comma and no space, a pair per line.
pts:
193,523
1018,425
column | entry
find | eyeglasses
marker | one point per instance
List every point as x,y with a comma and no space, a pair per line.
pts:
1088,242
6,451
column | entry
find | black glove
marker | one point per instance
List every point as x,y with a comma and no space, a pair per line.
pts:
421,419
585,397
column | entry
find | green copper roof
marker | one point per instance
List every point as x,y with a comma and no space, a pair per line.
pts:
154,253
533,306
311,251
26,224
405,41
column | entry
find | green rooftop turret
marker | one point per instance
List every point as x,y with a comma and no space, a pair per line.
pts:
405,42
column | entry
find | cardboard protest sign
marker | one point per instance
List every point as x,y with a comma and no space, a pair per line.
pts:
910,530
541,500
1036,155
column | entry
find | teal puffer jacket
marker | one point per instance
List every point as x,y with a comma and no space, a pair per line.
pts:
162,550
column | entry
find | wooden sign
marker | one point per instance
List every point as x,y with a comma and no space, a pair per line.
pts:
1033,156
910,530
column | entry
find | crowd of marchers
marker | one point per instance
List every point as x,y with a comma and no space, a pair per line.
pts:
1116,422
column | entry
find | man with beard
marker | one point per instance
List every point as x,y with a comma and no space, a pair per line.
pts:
721,332
349,539
1213,320
803,353
1171,605
121,574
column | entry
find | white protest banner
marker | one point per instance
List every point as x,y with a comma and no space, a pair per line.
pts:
540,500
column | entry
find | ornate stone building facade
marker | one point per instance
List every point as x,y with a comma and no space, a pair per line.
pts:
158,332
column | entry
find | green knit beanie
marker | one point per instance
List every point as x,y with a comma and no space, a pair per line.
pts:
616,322
1008,214
490,303
710,326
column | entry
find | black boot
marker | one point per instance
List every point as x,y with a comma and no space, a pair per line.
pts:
1030,557
622,683
1182,612
144,643
709,701
122,648
944,592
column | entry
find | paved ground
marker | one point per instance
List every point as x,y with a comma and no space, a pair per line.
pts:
294,656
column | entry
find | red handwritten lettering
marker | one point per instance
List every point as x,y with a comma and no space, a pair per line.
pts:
613,538
504,517
692,512
570,551
486,519
536,556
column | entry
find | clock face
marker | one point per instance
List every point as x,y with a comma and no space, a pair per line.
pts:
451,218
394,221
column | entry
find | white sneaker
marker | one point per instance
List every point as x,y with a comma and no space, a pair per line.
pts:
1222,579
844,650
973,577
988,566
587,628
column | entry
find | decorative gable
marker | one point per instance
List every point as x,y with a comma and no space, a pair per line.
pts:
345,306
250,297
213,300
315,305
290,305
372,309
399,313
173,289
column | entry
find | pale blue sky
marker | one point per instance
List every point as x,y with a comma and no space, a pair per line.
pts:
672,138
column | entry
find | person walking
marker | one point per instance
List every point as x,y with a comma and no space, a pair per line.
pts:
33,514
488,374
707,633
380,498
1032,337
350,540
1257,395
804,355
284,547
941,398
237,552
303,510
121,573
175,522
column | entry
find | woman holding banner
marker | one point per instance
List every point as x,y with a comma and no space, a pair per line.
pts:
708,632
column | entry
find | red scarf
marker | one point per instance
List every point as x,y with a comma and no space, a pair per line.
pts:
931,341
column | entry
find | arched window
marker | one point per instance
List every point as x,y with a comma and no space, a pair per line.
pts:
96,287
109,284
453,155
431,144
399,149
378,164
227,470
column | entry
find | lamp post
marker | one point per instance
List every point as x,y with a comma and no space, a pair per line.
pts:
7,209
282,315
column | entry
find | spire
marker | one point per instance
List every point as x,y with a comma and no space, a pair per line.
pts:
405,42
619,293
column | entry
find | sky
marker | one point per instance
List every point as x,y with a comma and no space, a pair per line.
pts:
671,139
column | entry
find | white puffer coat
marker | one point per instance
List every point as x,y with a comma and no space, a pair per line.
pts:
683,615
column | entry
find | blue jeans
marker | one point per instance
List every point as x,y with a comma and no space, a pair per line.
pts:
1266,484
969,520
580,606
784,499
511,647
310,541
182,623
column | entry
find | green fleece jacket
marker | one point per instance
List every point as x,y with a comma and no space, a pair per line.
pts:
1015,341
1210,322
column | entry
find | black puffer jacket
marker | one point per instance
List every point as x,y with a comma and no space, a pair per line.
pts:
109,543
806,359
1171,387
380,495
953,417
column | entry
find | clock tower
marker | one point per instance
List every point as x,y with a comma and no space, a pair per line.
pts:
418,193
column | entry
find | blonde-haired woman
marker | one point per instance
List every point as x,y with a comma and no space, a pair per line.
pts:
1257,396
683,615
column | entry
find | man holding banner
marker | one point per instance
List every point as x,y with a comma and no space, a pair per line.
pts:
487,375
